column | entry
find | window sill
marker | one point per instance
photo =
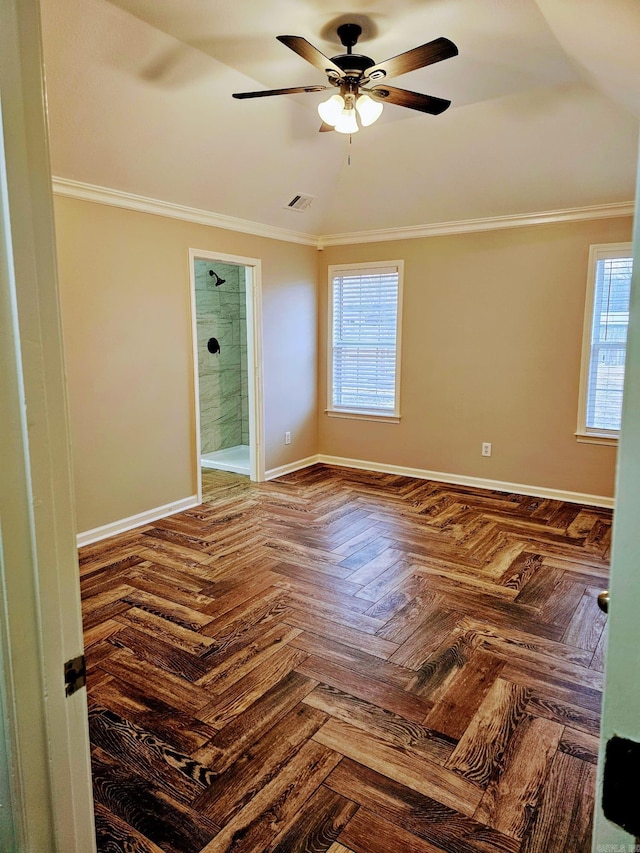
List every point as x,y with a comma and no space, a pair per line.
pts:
362,416
597,438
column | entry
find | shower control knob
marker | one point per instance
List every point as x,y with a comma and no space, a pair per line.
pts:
213,346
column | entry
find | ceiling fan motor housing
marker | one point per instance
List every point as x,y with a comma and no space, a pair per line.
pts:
353,64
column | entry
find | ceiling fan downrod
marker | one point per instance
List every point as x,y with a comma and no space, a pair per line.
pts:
353,65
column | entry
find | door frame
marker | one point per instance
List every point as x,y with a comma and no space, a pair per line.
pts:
45,747
621,692
254,358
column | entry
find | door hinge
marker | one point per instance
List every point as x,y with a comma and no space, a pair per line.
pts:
75,675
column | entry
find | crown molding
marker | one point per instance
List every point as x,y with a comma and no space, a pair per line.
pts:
467,226
129,201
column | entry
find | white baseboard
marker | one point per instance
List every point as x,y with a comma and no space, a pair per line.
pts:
107,530
476,482
115,527
272,473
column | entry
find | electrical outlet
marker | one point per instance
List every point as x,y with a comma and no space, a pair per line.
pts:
287,438
486,448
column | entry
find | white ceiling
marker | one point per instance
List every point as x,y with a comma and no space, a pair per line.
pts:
546,100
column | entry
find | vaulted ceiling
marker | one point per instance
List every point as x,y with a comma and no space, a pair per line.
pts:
545,106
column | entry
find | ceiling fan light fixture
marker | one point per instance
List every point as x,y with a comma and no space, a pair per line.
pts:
347,123
331,110
368,110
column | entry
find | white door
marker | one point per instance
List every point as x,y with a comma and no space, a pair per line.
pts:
621,710
45,781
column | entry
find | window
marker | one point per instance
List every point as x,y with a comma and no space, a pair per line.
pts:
605,342
364,354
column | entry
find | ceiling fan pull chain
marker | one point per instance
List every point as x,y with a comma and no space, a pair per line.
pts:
349,151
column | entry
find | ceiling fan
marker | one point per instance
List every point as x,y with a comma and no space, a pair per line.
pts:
351,73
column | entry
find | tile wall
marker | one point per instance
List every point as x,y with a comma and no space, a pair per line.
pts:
221,313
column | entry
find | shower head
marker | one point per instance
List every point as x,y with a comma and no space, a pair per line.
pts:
217,280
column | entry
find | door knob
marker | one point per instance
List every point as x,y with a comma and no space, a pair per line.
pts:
603,601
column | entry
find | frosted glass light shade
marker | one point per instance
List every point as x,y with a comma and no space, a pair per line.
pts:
368,110
347,123
331,110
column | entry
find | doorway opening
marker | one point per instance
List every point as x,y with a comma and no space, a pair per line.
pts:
227,354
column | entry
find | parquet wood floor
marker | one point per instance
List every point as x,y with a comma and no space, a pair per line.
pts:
347,662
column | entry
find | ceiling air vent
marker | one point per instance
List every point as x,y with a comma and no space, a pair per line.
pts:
300,202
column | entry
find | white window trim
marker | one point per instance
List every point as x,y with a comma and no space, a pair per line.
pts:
364,414
597,252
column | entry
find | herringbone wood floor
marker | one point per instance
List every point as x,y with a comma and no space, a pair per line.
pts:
347,661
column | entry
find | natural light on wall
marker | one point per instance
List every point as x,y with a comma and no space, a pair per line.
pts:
605,340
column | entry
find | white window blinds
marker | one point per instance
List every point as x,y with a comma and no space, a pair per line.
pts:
364,339
612,288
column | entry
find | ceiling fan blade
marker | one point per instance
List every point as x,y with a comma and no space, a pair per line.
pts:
426,54
307,51
324,127
413,100
268,92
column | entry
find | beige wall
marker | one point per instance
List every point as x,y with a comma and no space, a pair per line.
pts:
125,292
490,352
